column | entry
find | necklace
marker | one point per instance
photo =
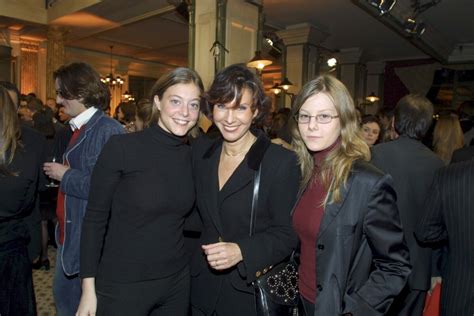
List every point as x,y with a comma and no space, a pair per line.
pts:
240,152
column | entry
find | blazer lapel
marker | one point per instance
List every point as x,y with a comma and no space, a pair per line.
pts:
241,177
333,209
212,186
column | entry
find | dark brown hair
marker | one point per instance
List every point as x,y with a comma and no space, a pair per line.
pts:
80,81
413,116
228,85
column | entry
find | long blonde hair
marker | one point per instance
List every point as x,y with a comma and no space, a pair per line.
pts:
447,136
10,131
335,169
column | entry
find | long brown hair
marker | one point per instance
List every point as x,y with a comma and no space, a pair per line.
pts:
10,131
447,136
335,169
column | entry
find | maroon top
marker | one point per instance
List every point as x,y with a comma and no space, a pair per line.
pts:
306,221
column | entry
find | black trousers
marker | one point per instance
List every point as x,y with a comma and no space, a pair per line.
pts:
305,307
17,296
166,296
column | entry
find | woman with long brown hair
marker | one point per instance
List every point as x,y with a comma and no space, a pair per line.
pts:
20,163
447,136
354,260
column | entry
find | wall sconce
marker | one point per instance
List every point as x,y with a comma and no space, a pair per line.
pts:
412,27
259,62
372,98
384,6
127,96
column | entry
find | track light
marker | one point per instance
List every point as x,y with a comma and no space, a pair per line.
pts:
412,27
384,6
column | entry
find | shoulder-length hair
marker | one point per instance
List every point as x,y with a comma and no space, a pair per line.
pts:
447,136
228,85
335,169
81,82
175,76
10,131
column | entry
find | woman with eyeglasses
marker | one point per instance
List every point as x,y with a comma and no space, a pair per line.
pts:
353,257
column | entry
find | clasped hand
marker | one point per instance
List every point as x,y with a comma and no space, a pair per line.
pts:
222,255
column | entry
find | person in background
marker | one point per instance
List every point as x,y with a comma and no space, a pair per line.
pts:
51,103
33,219
21,155
412,166
145,115
63,117
371,129
447,136
385,115
449,219
82,94
43,123
228,260
132,246
353,257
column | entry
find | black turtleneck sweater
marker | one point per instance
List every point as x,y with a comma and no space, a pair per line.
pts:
141,190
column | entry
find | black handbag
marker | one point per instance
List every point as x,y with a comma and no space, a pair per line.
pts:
276,291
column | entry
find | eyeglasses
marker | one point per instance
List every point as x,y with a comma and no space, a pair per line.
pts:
320,118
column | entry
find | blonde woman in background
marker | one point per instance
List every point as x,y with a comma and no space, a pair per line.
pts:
447,136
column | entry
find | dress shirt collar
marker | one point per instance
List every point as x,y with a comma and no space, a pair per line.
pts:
82,119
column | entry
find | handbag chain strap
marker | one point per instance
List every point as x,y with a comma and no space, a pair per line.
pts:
253,213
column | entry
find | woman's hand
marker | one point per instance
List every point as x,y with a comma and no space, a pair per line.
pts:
88,303
222,255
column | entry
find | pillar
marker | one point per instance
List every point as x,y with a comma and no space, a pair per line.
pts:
301,58
375,84
353,73
55,56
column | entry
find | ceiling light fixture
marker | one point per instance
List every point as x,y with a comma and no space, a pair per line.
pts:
384,6
276,89
372,98
285,84
413,27
110,79
332,62
259,62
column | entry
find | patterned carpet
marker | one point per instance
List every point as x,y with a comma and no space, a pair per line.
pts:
43,282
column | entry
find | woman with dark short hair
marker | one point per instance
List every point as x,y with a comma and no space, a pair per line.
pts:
371,129
132,247
229,260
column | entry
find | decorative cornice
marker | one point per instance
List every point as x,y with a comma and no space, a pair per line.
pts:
301,34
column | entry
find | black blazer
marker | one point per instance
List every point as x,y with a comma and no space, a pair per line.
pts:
449,218
362,261
226,216
463,154
412,166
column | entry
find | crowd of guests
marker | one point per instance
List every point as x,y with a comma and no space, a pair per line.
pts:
155,217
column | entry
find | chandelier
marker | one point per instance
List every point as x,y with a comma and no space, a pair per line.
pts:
110,79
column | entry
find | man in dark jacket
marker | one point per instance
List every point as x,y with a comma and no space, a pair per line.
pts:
450,217
412,166
83,95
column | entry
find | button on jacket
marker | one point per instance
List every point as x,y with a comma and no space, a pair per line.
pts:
362,260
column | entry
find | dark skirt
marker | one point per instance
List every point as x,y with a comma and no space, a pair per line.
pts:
16,291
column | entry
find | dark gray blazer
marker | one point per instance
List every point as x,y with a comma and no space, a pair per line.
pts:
463,154
412,166
362,261
449,218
